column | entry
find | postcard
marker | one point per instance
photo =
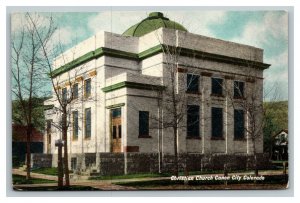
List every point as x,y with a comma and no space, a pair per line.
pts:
149,100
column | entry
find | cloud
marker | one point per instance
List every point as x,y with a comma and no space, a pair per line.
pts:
277,75
259,33
195,21
17,20
270,34
116,21
198,22
21,20
63,35
278,70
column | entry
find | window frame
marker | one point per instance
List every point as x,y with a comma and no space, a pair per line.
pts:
144,133
214,92
87,92
75,96
216,124
49,130
238,120
237,93
75,125
64,94
189,83
195,126
86,127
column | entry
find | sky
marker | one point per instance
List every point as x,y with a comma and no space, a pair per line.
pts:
263,29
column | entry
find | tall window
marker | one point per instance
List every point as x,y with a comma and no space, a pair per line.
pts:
64,94
238,89
48,130
75,124
75,91
87,87
239,124
216,122
193,121
88,123
143,123
216,86
192,83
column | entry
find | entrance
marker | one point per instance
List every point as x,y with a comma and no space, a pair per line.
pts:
116,130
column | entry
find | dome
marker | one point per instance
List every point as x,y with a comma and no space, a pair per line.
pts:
154,21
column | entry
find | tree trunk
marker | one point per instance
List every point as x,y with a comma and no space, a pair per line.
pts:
60,167
176,168
255,158
28,153
64,132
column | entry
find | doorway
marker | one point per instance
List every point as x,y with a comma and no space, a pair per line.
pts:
116,129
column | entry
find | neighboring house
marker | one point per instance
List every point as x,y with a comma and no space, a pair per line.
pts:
119,82
280,146
19,142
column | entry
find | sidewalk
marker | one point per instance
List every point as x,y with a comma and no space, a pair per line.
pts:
34,175
101,185
110,184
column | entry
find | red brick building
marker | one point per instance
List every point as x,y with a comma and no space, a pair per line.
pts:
19,143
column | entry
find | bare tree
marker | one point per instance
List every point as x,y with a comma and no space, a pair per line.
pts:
173,98
247,95
65,93
27,74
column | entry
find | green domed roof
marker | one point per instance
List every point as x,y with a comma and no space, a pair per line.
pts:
154,21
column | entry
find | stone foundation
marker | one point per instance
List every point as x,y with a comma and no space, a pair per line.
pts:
41,160
134,162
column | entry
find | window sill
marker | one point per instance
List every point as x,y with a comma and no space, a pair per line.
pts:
217,95
239,98
194,93
193,138
144,136
87,96
217,138
87,138
240,139
74,139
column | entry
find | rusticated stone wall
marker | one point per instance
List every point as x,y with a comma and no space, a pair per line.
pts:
134,162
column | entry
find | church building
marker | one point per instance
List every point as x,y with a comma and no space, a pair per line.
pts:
131,91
